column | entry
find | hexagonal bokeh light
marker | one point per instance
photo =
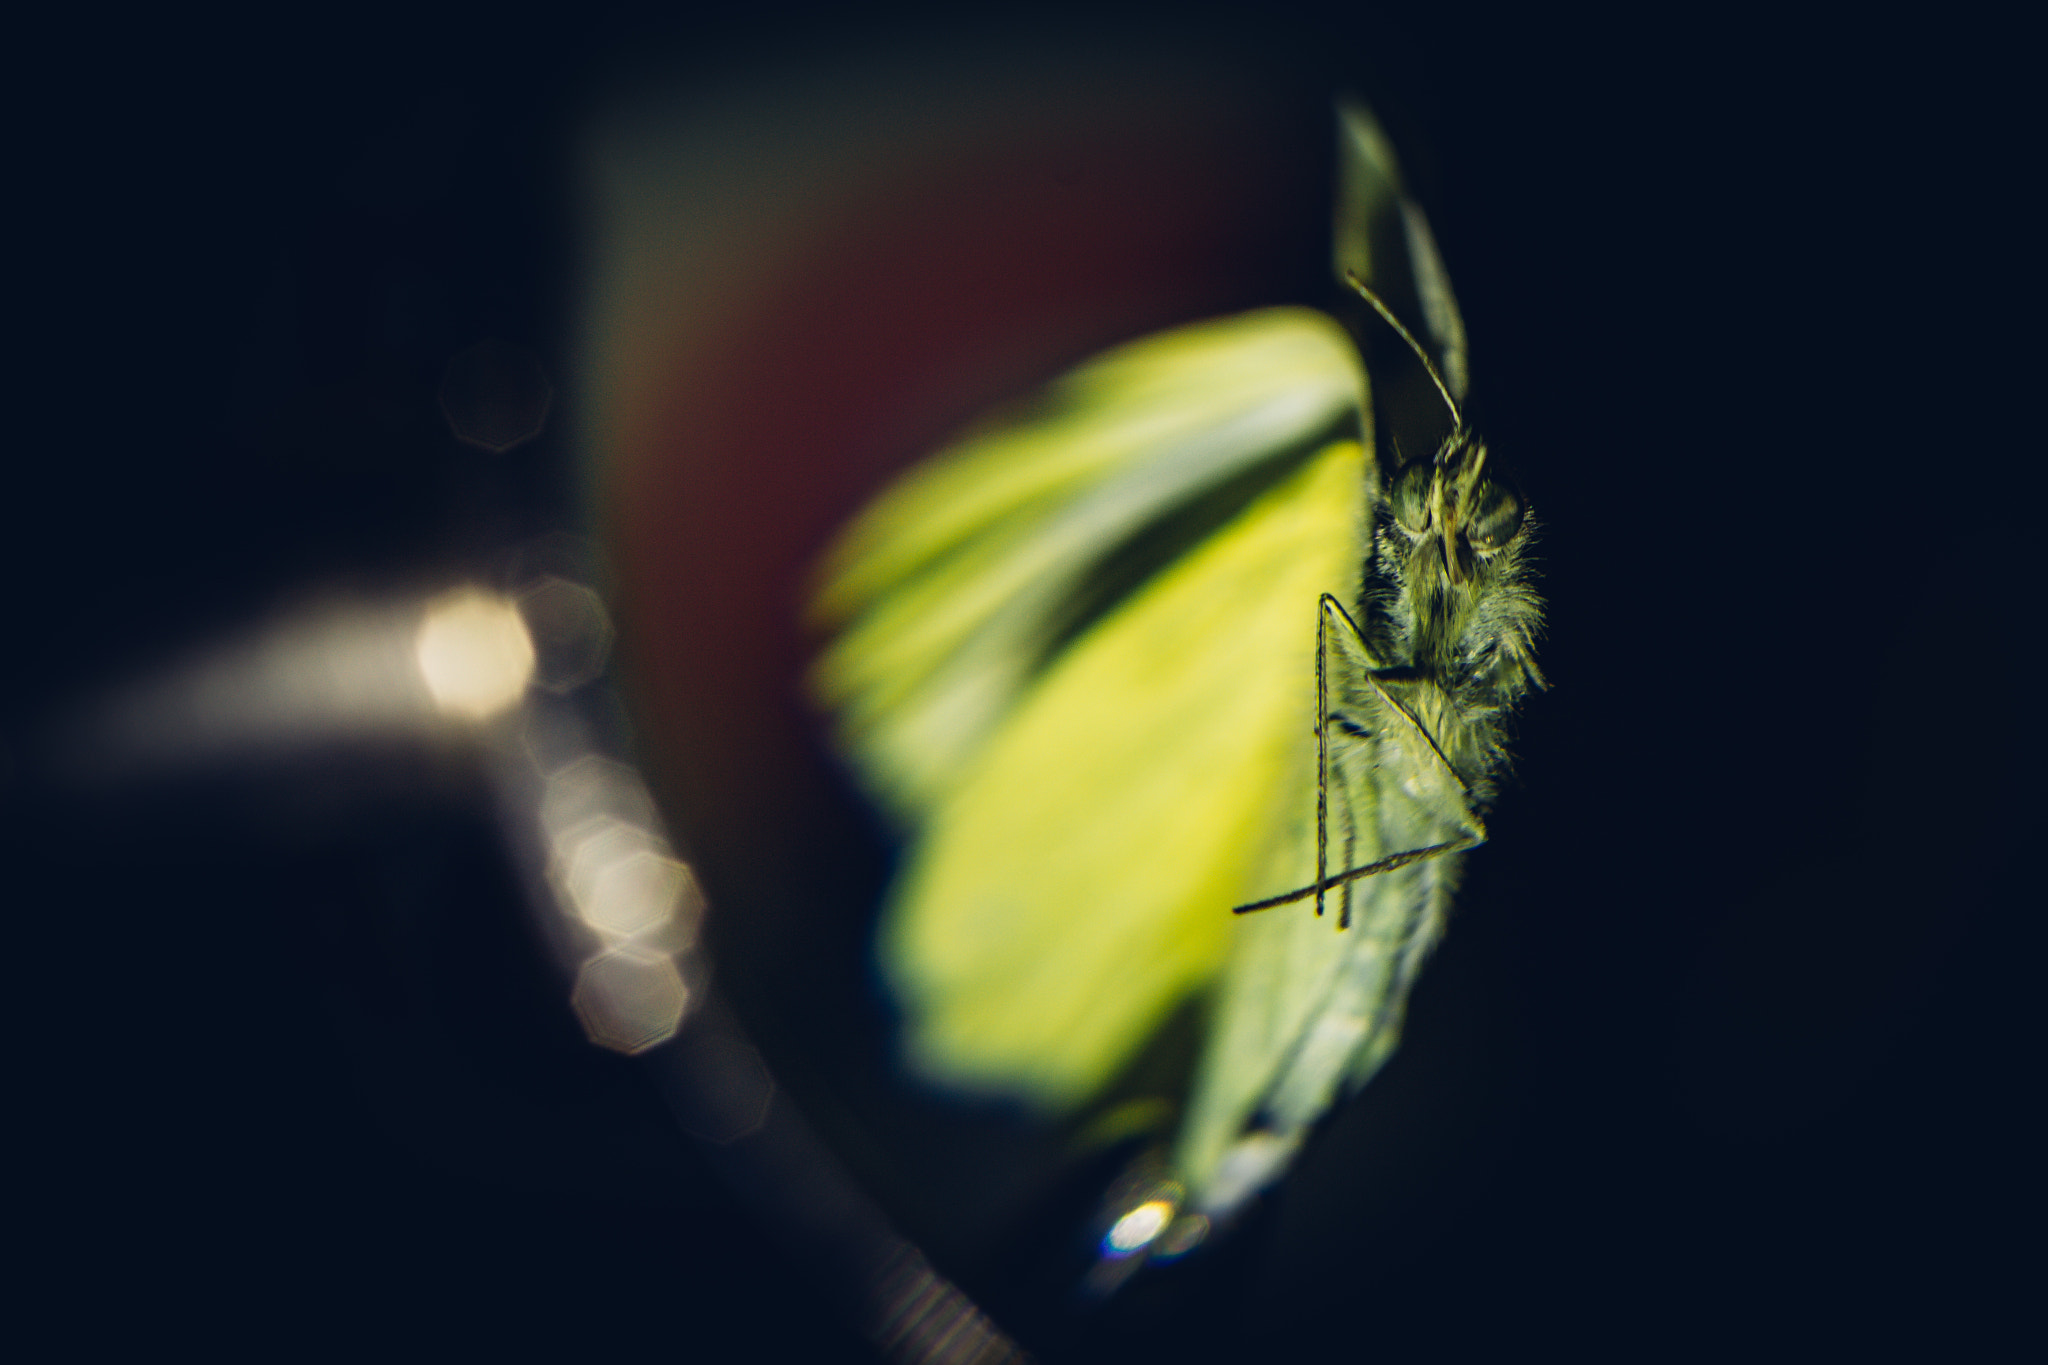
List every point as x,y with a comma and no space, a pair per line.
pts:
474,653
572,635
495,396
613,872
622,885
630,998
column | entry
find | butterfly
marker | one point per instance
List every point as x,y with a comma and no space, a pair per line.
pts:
1192,631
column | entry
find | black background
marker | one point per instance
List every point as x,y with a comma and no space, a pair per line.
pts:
1728,1048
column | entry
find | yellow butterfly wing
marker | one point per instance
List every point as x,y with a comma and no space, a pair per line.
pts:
1078,656
1089,800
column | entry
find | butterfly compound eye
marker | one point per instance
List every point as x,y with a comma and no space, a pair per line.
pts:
1410,497
1495,517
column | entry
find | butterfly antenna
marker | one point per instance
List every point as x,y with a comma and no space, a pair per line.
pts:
1380,307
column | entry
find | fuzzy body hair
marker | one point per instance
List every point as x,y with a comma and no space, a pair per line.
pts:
1453,623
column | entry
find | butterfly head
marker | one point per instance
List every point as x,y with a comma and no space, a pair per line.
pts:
1469,513
1465,512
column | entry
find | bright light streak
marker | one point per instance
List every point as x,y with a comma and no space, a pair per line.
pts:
324,673
1136,1229
474,653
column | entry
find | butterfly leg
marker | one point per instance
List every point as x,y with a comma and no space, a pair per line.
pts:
1338,638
